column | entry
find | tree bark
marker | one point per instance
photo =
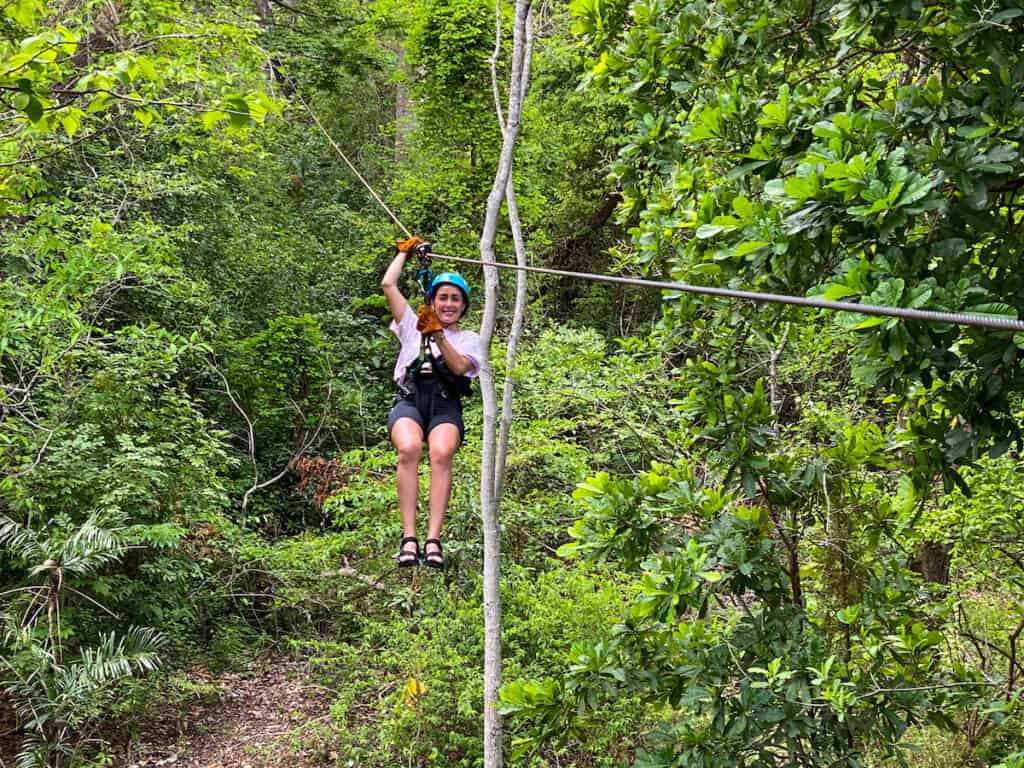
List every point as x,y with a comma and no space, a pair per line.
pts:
265,13
488,501
933,561
519,310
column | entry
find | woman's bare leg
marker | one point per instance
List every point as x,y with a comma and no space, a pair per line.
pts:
407,437
442,443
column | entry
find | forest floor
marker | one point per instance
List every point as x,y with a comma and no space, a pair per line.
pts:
270,714
264,716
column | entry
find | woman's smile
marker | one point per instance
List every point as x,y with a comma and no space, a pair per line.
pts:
448,304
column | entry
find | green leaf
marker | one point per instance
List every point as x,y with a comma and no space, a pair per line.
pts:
848,615
22,11
870,322
238,111
34,109
707,231
750,246
144,66
802,188
745,168
975,194
212,118
916,190
887,294
996,308
569,550
101,102
145,115
71,120
837,291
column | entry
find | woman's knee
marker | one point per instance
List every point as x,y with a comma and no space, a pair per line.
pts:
441,456
409,452
407,437
442,444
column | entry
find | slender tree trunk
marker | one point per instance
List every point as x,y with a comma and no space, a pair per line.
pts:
933,561
488,501
265,14
773,373
519,310
518,318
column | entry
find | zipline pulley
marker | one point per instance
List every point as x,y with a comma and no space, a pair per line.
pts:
425,276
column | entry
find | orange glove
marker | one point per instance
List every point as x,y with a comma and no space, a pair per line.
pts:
405,246
426,320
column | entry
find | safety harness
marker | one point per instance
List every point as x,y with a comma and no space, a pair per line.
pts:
453,387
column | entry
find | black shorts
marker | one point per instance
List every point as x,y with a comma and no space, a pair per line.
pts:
428,407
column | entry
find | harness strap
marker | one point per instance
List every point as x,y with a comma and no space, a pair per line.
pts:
452,387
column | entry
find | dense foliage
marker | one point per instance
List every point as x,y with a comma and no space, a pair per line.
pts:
733,535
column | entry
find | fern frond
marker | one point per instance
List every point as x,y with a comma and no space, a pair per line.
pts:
117,657
93,546
21,541
35,752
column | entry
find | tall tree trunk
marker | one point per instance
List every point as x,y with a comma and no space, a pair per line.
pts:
265,14
488,501
519,310
933,561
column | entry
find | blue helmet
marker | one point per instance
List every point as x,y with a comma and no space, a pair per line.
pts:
451,278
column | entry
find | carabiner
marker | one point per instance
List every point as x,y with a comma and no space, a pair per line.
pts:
425,276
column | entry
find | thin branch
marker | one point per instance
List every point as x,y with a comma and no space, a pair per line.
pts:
493,63
299,452
248,422
348,572
40,452
78,93
57,151
94,602
773,372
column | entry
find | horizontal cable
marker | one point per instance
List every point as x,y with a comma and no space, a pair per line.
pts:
925,315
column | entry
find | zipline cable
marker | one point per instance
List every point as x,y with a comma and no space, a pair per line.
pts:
926,315
994,322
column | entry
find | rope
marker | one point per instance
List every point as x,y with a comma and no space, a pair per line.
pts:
352,168
924,315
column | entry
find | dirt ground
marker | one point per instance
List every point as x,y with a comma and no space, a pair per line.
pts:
267,716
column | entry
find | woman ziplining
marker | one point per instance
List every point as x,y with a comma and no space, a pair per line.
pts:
422,428
435,364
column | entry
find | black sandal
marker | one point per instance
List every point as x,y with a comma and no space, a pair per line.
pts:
407,558
433,559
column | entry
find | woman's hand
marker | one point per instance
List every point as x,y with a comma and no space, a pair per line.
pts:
427,321
406,246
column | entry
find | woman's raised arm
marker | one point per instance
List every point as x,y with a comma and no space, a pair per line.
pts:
389,283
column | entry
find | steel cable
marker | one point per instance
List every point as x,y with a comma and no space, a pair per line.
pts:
994,322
